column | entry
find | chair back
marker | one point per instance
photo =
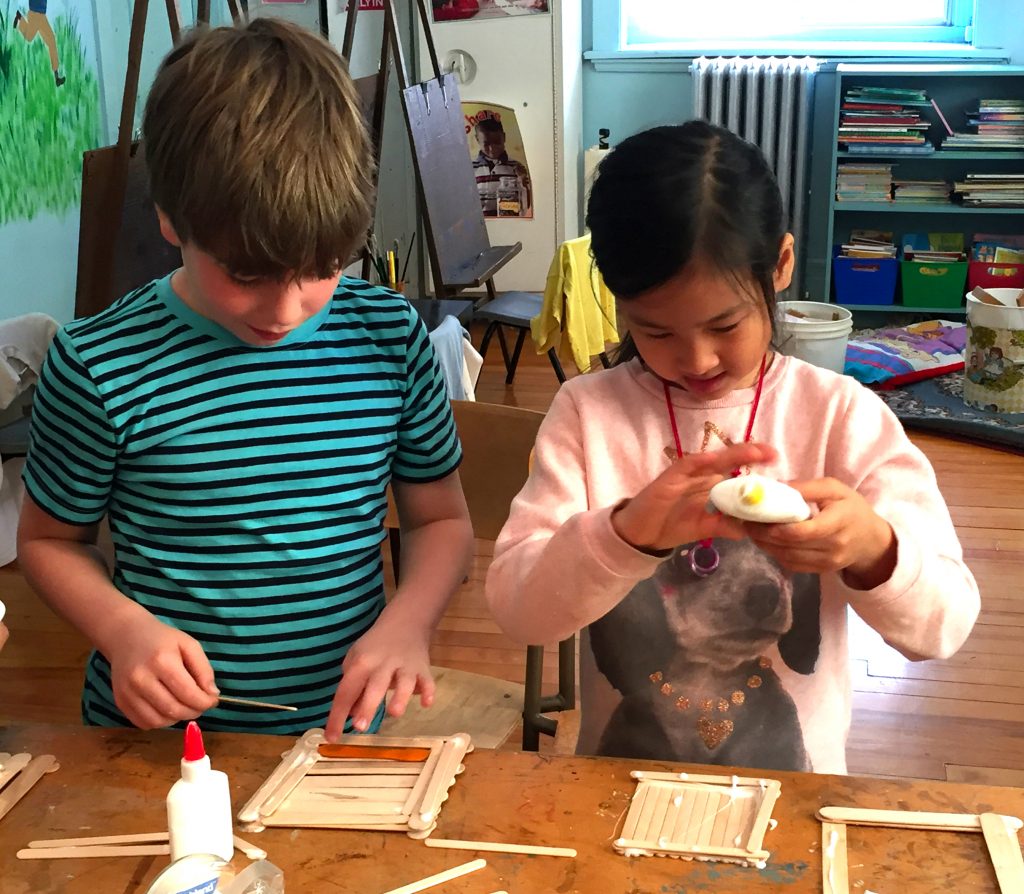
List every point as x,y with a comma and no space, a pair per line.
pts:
497,442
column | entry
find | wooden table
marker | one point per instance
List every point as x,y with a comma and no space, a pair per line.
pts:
115,781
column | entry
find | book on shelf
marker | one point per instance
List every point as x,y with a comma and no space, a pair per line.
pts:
857,182
992,190
869,244
883,116
997,124
997,249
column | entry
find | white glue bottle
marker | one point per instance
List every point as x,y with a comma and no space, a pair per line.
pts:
199,805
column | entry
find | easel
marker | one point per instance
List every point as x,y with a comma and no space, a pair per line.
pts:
106,175
461,256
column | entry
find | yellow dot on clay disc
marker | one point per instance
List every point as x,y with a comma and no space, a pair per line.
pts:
752,493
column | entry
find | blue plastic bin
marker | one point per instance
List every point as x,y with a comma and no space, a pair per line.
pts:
865,280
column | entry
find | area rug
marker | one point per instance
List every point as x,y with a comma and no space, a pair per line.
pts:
937,405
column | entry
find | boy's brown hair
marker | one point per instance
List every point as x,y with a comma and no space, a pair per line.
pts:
257,150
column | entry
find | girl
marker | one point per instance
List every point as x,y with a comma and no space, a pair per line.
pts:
705,639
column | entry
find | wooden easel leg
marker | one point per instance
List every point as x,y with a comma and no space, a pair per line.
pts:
504,350
486,343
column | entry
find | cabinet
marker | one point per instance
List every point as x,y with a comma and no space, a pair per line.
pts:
956,88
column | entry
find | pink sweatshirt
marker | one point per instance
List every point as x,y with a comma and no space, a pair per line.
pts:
749,666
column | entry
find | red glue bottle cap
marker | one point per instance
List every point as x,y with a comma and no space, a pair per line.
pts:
194,750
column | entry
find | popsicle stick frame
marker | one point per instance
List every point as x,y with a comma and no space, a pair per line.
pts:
1000,838
18,773
382,783
699,817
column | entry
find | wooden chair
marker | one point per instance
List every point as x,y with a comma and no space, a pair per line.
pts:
497,442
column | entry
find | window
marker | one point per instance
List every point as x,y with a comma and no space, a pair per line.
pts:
665,25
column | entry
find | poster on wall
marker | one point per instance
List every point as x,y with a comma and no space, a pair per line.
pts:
476,10
499,160
49,105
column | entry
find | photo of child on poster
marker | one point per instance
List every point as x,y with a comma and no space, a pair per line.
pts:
457,10
499,160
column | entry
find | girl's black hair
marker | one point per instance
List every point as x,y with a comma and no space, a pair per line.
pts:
670,195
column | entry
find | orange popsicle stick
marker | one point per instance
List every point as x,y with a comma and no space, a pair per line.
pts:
375,752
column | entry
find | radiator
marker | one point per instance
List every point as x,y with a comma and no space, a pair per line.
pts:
767,101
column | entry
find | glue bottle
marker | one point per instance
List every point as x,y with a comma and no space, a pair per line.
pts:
199,805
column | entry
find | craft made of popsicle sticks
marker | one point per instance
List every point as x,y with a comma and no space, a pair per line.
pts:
698,817
18,773
381,783
1000,838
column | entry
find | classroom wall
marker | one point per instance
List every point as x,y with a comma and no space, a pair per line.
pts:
39,227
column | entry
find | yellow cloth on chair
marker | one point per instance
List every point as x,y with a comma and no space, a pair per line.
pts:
577,303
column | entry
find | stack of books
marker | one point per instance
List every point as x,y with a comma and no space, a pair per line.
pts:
928,192
934,247
990,190
864,183
869,244
884,119
994,249
998,124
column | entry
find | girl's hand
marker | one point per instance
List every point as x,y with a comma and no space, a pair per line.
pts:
387,657
160,675
846,535
672,509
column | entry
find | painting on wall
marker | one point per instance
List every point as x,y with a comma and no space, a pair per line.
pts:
476,10
49,104
499,160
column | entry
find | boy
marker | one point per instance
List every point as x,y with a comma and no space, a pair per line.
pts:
502,182
239,421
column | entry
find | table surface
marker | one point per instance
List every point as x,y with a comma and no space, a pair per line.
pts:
115,782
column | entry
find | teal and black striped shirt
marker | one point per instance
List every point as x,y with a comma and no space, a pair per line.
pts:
245,486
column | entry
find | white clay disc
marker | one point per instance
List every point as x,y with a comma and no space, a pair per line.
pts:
758,499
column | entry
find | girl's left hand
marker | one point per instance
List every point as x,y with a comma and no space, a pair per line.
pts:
846,535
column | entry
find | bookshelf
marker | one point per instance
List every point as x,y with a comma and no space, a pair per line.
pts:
956,88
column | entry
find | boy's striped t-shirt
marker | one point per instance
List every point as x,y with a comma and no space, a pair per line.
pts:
245,486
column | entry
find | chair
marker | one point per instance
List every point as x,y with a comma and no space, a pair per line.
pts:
497,442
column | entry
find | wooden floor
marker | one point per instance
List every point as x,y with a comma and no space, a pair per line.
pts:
961,719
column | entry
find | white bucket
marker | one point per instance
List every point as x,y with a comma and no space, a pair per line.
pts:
994,354
814,336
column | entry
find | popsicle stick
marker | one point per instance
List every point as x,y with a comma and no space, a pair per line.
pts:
448,762
321,823
301,757
1004,849
12,767
908,819
250,850
737,853
985,297
375,752
770,794
252,703
636,810
28,777
137,838
69,853
700,778
500,847
834,873
440,878
360,768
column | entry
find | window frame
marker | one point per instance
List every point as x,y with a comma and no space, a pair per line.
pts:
947,41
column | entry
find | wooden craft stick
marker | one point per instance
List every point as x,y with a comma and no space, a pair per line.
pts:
285,777
252,703
834,872
28,777
448,763
356,769
1004,849
137,838
439,878
985,297
500,847
375,752
111,850
772,788
908,819
734,853
250,850
12,767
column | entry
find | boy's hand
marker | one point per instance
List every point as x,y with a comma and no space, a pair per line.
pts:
384,658
160,675
846,535
672,509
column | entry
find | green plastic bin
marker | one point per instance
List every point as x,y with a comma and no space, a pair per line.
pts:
933,283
